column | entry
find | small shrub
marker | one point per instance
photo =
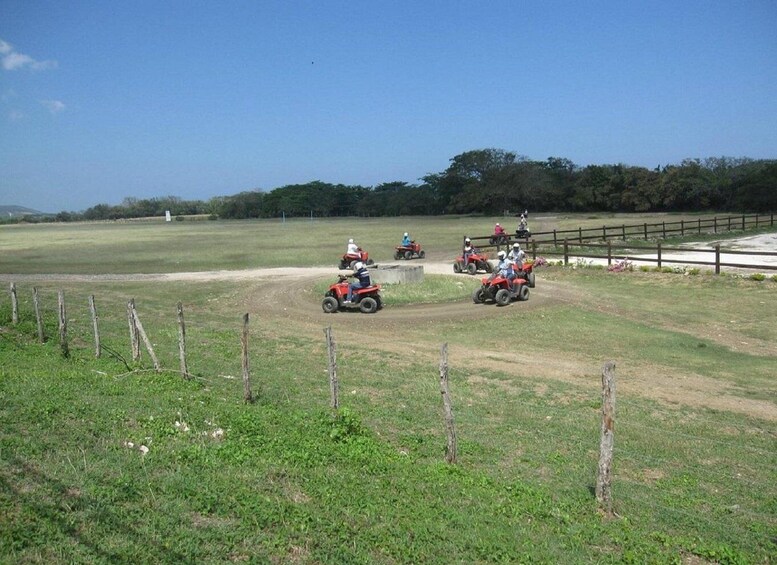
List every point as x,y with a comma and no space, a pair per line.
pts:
213,217
774,278
693,272
179,218
757,277
645,268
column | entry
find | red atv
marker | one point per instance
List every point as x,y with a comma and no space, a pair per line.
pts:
526,272
476,261
498,289
366,299
347,261
409,251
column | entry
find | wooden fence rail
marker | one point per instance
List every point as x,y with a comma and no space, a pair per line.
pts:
644,254
659,230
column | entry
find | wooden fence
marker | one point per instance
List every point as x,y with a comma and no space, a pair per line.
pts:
652,254
625,232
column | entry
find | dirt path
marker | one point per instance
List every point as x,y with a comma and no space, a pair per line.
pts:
293,305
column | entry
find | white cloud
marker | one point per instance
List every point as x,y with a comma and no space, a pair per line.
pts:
11,60
53,106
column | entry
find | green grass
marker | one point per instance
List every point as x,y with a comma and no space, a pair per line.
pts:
288,481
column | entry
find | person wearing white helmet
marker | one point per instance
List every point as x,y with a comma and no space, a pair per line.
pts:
468,250
406,241
517,254
353,249
498,229
505,268
362,275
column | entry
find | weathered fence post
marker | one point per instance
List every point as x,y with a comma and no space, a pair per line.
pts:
182,343
729,223
645,226
717,259
334,385
699,225
63,325
133,330
38,318
623,232
93,310
715,224
682,227
658,254
534,249
609,252
555,243
604,233
247,396
604,475
14,305
580,233
450,428
743,222
566,253
663,228
146,341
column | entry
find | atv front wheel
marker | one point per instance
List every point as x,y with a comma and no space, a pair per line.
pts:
330,305
421,254
397,256
478,295
523,292
487,267
457,267
472,268
408,255
368,305
502,297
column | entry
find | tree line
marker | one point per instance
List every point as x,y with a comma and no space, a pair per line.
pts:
493,181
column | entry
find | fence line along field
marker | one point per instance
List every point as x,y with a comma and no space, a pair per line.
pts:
105,459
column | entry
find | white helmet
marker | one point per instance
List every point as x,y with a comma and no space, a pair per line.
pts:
358,265
516,245
497,223
501,254
350,241
467,240
405,234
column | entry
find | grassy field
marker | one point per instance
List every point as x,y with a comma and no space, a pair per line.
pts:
285,480
159,247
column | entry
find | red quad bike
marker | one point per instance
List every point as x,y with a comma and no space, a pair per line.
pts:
497,289
366,299
526,272
476,261
409,251
347,261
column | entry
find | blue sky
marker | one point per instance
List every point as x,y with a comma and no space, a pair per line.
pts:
102,100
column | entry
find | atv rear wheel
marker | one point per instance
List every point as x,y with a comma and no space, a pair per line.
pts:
472,268
502,297
530,280
523,292
408,255
368,305
330,305
487,267
479,295
397,255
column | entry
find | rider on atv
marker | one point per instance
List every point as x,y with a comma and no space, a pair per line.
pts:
517,254
406,241
468,250
361,273
505,268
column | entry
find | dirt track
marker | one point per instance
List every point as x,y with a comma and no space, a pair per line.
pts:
414,328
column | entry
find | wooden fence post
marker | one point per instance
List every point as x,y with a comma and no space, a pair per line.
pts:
717,259
609,252
580,233
645,226
93,310
623,232
38,318
63,325
658,254
450,428
663,228
699,225
534,249
604,475
555,243
334,385
133,330
14,305
146,341
729,223
566,253
182,344
715,224
682,227
248,397
743,222
604,233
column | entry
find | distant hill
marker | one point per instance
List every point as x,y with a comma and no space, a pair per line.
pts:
18,212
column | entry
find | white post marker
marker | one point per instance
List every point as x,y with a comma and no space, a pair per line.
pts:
167,216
